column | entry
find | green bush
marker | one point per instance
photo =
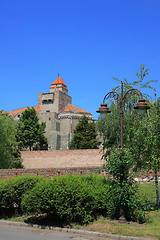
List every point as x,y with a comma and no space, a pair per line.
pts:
11,191
69,198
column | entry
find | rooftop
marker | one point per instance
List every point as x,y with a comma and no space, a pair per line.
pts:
73,109
20,110
58,83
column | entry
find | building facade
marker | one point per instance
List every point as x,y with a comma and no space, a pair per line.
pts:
56,110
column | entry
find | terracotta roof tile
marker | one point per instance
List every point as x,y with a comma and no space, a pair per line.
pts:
20,110
73,109
59,81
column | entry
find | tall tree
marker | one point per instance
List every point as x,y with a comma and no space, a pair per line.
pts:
30,131
84,135
145,143
141,135
9,152
110,129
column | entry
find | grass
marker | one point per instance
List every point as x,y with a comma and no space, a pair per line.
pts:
14,219
148,230
148,190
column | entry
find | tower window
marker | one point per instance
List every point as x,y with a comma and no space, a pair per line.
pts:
49,101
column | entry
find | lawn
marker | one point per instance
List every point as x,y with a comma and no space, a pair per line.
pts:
150,230
148,190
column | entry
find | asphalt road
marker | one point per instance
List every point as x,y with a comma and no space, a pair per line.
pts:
21,233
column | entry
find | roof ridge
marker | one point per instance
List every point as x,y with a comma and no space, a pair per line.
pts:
77,109
20,110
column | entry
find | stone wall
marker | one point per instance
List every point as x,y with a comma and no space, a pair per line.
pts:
60,162
46,172
62,158
51,163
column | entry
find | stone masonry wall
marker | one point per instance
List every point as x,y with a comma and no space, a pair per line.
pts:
61,162
7,173
57,162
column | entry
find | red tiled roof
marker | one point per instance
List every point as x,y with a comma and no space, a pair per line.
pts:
73,109
20,110
59,81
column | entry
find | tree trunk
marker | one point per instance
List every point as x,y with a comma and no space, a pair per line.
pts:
157,189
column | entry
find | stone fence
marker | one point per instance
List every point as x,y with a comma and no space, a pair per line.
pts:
62,162
141,177
47,172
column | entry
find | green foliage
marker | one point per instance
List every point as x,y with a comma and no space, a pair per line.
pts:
140,134
145,143
69,198
110,128
30,132
9,151
119,161
11,191
140,84
84,135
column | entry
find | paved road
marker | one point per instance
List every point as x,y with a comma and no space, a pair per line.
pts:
21,233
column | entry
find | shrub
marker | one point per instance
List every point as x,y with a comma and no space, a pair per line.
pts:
69,198
11,191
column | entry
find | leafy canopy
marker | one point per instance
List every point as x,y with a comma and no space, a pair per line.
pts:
141,134
110,128
30,131
9,151
84,135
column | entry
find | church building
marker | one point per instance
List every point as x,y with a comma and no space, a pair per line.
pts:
56,110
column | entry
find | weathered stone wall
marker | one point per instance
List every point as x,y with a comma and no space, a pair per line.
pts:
64,99
60,162
8,173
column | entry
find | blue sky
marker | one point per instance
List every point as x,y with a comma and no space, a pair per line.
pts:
86,41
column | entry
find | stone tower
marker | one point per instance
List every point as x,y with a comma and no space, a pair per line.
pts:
56,99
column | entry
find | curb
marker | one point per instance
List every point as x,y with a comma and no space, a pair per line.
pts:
69,230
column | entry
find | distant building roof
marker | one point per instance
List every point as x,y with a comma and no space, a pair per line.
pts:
73,109
20,110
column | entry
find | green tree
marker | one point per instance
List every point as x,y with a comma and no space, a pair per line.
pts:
84,135
145,143
10,156
110,128
119,161
30,131
141,135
